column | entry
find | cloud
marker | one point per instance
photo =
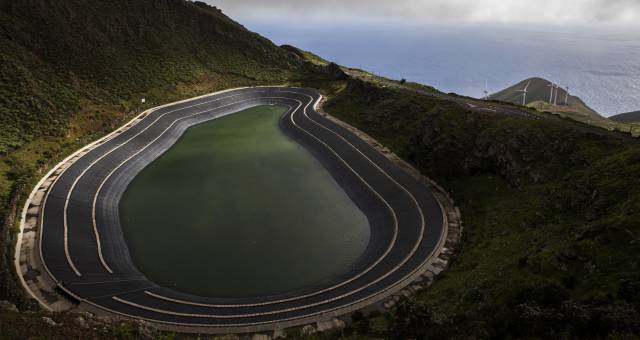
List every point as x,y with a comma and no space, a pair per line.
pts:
619,12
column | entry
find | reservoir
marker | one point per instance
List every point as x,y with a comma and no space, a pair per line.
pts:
236,209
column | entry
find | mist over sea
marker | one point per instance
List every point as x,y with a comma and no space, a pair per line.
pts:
601,66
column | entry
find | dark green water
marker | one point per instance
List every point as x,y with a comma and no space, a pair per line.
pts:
236,209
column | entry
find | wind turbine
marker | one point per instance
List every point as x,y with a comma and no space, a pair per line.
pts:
555,98
566,97
486,90
550,86
524,94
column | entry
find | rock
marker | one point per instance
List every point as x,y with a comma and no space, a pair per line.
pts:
81,322
49,321
323,326
279,334
329,325
260,337
145,329
308,330
103,319
8,306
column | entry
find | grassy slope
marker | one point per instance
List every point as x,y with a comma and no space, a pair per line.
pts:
550,209
629,117
55,53
73,70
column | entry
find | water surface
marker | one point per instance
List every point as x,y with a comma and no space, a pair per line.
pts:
236,209
600,65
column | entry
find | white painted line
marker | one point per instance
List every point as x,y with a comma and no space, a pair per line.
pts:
369,268
342,307
422,220
75,182
351,292
59,169
53,170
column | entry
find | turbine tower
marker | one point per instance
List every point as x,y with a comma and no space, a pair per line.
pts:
550,86
524,94
566,97
486,90
555,98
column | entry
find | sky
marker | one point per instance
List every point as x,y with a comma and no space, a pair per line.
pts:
552,12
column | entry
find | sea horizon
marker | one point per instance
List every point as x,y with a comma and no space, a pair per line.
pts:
601,65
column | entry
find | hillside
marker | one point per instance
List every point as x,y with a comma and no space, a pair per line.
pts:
550,212
538,96
55,54
72,70
550,206
629,117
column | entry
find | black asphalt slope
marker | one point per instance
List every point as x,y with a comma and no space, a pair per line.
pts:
91,262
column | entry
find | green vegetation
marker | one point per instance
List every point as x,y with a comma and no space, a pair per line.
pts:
629,117
308,56
550,206
550,209
226,180
70,71
42,325
114,53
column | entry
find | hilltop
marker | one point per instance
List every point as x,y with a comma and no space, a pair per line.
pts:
564,104
629,117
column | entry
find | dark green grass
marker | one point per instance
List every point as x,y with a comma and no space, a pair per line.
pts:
236,209
551,212
71,71
54,54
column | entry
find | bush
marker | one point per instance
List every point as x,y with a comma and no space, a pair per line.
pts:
410,320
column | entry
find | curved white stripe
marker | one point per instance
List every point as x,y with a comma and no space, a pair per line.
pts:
395,224
75,182
79,153
351,292
369,268
339,307
348,307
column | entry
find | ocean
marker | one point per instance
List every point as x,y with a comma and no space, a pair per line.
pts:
600,66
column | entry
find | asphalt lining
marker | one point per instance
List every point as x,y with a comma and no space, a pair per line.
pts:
397,266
